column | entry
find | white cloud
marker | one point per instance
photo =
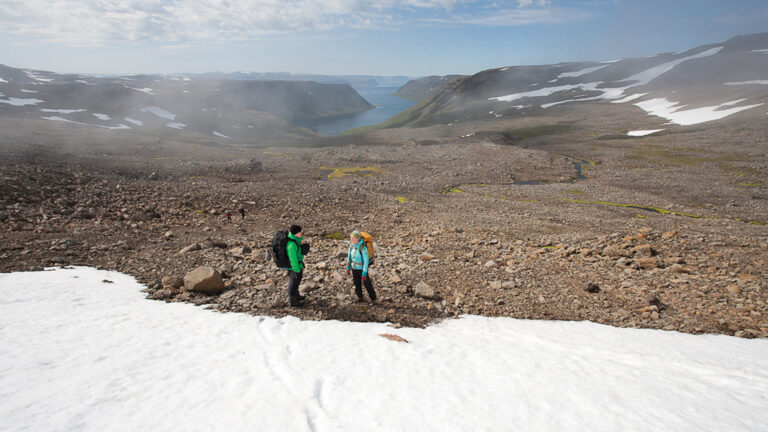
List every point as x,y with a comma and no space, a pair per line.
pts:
175,21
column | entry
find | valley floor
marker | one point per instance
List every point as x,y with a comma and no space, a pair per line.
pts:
535,218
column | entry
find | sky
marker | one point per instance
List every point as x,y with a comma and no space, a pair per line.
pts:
83,350
355,37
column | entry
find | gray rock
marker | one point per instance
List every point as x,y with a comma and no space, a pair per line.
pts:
190,248
204,279
424,291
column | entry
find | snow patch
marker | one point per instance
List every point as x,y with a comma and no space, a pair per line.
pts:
83,82
37,77
581,72
2,80
651,74
551,104
546,91
630,98
101,116
62,111
763,82
662,107
176,125
146,90
639,133
84,349
221,135
28,91
136,122
733,102
118,127
159,112
21,102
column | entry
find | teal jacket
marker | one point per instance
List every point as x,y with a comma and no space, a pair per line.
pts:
294,253
357,257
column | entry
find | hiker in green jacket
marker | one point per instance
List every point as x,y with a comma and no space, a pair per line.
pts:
357,265
296,271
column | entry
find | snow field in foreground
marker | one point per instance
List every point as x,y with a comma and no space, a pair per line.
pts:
80,353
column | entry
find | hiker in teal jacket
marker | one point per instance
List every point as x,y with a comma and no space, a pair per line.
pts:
357,264
296,272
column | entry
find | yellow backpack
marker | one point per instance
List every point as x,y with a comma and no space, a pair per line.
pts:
368,241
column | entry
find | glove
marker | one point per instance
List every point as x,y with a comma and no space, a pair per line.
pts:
348,272
365,278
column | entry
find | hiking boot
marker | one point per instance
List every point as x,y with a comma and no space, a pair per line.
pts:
360,300
301,297
296,303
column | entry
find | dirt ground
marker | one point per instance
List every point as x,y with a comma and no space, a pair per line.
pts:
553,217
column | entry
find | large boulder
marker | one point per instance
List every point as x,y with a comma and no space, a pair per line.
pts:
204,279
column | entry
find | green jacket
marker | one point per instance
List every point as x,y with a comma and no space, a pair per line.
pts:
294,253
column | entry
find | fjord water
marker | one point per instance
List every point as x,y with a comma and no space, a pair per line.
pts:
387,106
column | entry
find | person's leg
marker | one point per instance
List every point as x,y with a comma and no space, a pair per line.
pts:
369,288
294,279
357,276
300,277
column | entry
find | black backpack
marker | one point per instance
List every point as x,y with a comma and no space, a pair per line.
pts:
278,250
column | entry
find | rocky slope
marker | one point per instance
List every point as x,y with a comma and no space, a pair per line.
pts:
459,229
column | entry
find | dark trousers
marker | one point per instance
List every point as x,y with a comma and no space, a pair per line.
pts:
294,279
357,278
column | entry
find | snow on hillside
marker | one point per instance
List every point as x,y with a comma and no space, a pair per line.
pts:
62,111
659,106
146,90
82,349
159,112
641,133
61,119
581,72
20,101
762,82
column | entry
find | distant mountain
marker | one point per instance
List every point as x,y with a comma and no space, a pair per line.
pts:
237,110
702,84
355,81
422,88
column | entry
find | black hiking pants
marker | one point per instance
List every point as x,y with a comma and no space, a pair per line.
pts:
294,279
357,278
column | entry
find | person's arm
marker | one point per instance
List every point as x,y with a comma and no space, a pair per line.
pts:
349,257
292,249
364,253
